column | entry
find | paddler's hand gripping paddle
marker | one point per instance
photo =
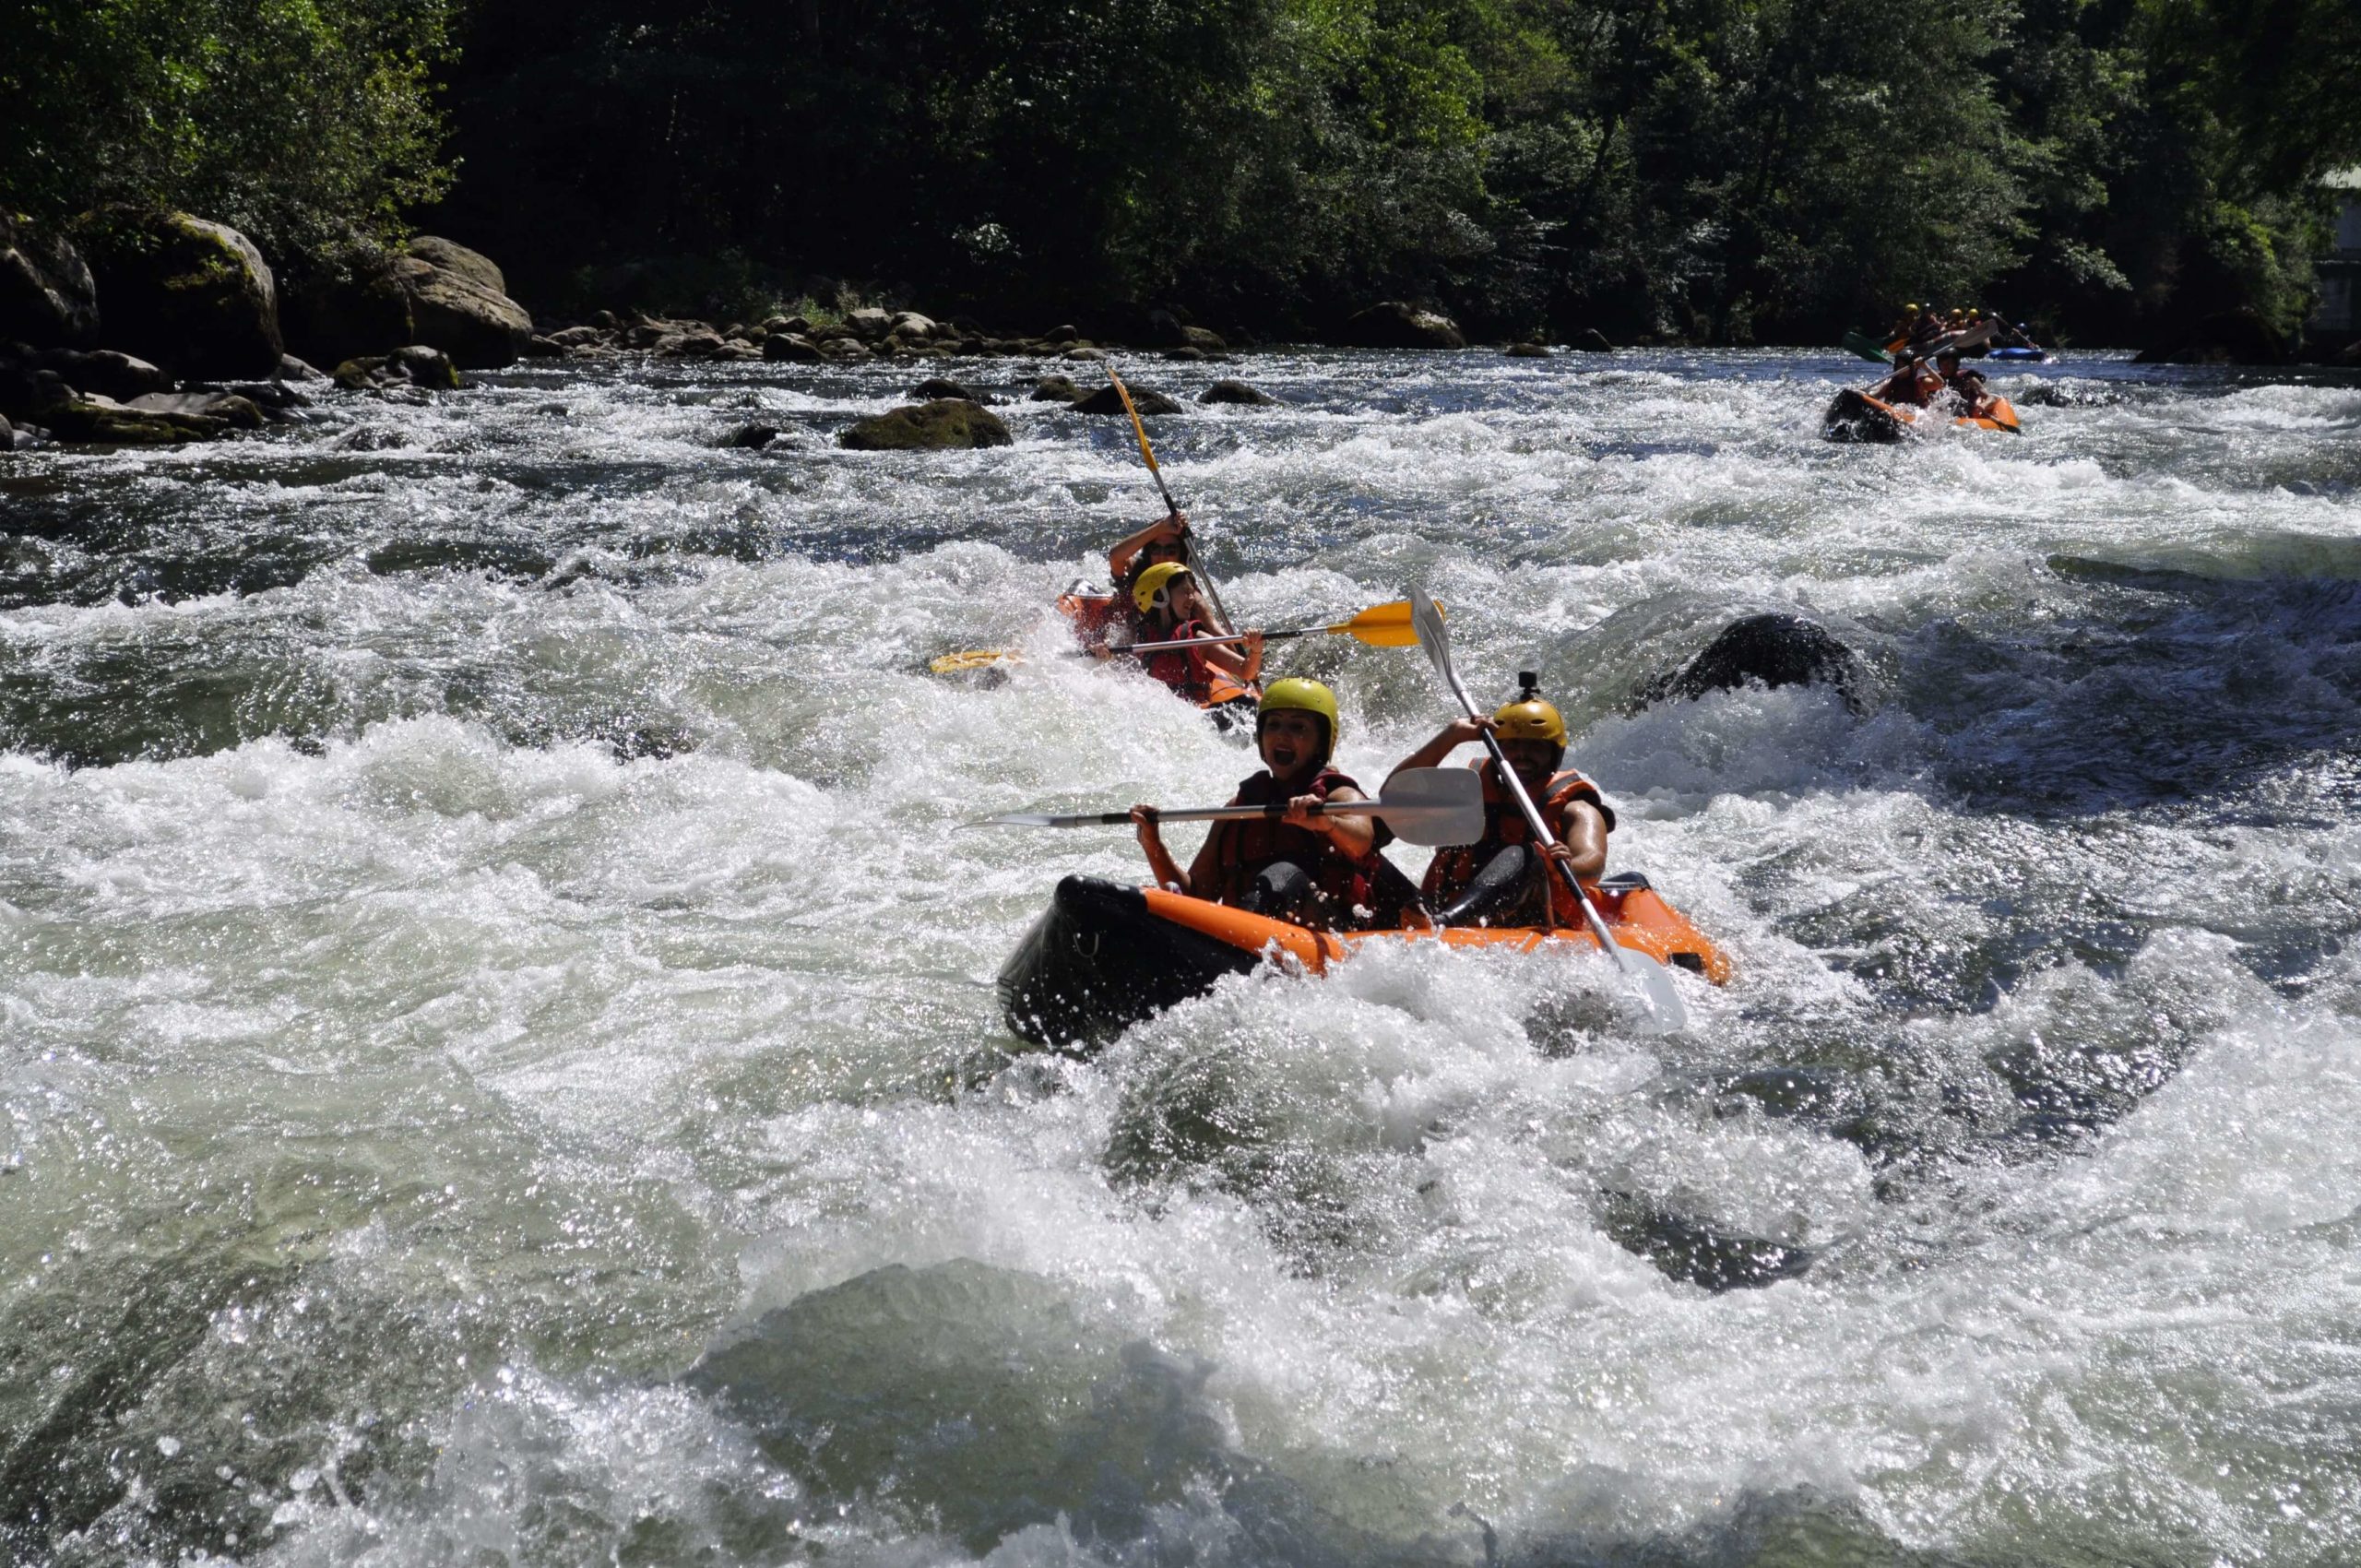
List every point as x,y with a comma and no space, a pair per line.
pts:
1656,984
1423,805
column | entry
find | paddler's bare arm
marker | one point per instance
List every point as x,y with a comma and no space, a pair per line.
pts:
1120,559
1353,836
1160,863
1241,662
1583,832
1449,739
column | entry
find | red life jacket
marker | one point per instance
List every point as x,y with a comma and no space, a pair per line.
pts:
1454,866
1242,848
1182,669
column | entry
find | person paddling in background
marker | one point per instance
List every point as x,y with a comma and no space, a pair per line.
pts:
1170,610
1316,870
1976,400
1912,383
1164,541
1499,880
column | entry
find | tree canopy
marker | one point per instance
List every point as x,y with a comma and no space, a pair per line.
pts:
1711,169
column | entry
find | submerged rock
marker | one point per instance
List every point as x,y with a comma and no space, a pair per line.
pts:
977,1396
1690,1251
1056,389
946,424
1528,351
190,295
939,387
1230,391
1771,649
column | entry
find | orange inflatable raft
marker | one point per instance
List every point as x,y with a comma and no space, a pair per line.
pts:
1856,416
1105,956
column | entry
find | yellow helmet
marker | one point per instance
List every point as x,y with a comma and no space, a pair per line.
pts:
1914,307
1530,718
1298,694
1154,583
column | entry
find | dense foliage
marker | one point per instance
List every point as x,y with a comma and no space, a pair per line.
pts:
1711,169
303,124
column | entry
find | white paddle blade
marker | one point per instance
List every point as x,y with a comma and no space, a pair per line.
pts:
1668,1015
1426,619
1434,806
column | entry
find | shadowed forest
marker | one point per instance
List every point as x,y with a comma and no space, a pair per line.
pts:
1710,170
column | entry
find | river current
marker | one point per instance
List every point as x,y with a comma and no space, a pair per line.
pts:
500,1065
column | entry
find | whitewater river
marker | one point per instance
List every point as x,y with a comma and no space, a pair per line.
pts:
500,1065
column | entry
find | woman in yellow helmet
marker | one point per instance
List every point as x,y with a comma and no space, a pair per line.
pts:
1170,610
1324,870
1498,880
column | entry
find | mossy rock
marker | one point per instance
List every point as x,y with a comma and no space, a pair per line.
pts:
944,424
187,295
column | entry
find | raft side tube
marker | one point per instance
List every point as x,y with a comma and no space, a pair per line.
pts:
1098,961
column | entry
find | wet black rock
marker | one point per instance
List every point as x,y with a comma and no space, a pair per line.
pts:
102,371
790,347
1591,340
1394,323
1689,1250
751,438
1056,389
944,424
1771,650
944,387
1527,352
1230,391
233,411
1106,400
417,365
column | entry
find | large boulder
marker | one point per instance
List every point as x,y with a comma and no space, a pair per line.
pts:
460,304
347,307
2230,336
1770,650
46,297
948,422
1391,324
103,421
188,294
1106,400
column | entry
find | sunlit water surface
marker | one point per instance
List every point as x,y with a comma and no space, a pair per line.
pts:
500,1065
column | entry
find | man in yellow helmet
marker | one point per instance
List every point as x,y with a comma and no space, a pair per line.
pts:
1499,880
1171,609
1322,871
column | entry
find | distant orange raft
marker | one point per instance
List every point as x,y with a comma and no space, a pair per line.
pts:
1856,416
1106,956
1093,616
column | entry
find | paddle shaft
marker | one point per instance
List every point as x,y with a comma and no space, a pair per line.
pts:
1540,829
1216,642
1139,428
1273,811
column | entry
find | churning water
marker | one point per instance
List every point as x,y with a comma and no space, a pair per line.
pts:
500,1069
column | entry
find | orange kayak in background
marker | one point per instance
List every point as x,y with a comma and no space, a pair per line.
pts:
1093,616
1105,955
1856,416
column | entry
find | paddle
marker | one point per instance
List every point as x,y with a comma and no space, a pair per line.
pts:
1423,805
1656,984
1381,625
1139,428
1867,346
